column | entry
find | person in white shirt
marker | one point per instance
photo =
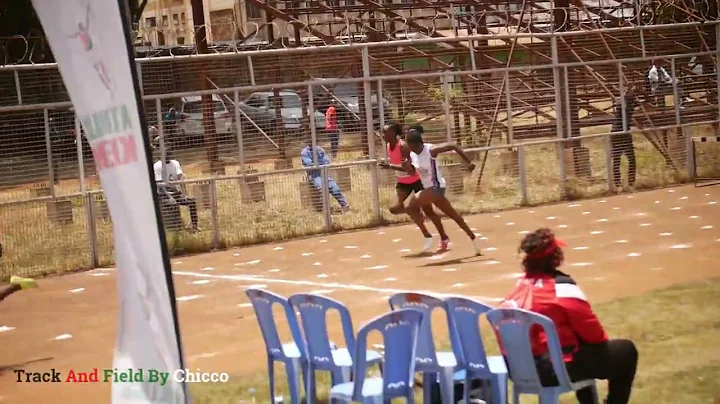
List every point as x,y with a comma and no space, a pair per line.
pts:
659,78
422,157
173,192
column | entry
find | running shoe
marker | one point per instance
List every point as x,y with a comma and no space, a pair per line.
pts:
24,283
427,244
444,246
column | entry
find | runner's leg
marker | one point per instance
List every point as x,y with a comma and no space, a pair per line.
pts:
444,205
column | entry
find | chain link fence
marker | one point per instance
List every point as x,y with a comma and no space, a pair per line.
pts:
543,126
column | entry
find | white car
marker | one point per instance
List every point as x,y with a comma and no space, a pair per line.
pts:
257,107
190,116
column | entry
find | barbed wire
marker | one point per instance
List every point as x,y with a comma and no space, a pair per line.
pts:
32,48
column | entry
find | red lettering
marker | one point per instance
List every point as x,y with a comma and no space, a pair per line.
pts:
115,152
93,376
129,149
71,377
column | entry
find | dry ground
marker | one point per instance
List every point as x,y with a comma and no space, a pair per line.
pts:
618,246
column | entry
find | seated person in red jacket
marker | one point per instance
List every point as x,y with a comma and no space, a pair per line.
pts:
588,352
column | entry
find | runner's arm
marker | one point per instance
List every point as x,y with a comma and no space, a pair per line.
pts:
451,147
406,165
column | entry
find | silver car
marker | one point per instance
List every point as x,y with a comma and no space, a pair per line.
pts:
190,122
259,109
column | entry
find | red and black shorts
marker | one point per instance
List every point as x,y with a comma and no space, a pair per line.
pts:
416,187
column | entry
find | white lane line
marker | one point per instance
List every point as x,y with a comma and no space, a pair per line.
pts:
323,285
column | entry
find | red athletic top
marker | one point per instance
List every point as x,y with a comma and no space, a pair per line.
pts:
395,156
331,118
559,298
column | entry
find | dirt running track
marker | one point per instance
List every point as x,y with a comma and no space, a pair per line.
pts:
618,246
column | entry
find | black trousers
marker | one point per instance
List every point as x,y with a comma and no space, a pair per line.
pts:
623,145
184,200
614,361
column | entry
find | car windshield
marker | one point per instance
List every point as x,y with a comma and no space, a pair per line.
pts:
291,101
195,107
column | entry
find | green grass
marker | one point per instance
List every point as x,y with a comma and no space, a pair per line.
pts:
35,247
676,331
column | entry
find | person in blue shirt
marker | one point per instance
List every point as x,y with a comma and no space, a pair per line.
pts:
315,177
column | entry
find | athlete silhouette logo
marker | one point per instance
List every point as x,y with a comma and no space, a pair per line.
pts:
83,34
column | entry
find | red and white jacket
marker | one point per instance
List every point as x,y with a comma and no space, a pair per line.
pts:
558,297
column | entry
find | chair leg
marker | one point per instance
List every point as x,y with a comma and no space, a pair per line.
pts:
447,389
428,380
516,396
499,389
293,370
310,384
466,388
549,396
271,379
596,396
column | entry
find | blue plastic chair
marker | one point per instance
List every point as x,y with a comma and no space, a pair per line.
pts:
464,317
400,333
292,354
322,353
512,327
433,365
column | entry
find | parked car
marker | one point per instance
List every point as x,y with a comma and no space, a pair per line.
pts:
190,116
349,98
259,109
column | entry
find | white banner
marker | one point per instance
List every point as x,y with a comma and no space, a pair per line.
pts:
90,44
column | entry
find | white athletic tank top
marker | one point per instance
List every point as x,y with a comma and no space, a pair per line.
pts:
427,168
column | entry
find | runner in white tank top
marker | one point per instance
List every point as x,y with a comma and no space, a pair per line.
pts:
408,181
423,159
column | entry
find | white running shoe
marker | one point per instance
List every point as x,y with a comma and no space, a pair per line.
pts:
476,245
427,245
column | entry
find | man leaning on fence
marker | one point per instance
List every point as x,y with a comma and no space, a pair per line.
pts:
622,144
173,193
315,176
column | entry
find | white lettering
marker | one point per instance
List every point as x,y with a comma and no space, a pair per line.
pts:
185,375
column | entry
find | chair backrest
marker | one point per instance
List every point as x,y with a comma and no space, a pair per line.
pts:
425,354
464,318
263,302
400,334
313,315
512,327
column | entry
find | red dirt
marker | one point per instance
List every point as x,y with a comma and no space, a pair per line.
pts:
221,336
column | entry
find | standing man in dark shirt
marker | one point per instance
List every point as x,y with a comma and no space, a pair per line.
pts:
623,143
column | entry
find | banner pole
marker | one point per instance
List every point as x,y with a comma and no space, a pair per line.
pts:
151,182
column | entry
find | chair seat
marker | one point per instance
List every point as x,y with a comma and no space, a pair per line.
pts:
582,384
372,387
290,350
446,359
342,357
496,364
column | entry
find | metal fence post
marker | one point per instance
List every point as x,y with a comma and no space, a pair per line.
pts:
214,213
325,191
717,66
381,112
609,163
18,87
49,148
567,114
690,147
238,130
557,83
313,128
80,156
471,46
370,132
446,107
523,176
251,70
623,102
676,94
89,199
161,136
138,67
508,102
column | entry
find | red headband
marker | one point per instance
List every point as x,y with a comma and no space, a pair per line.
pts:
554,245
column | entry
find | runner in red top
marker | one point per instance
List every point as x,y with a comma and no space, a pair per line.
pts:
588,352
408,181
